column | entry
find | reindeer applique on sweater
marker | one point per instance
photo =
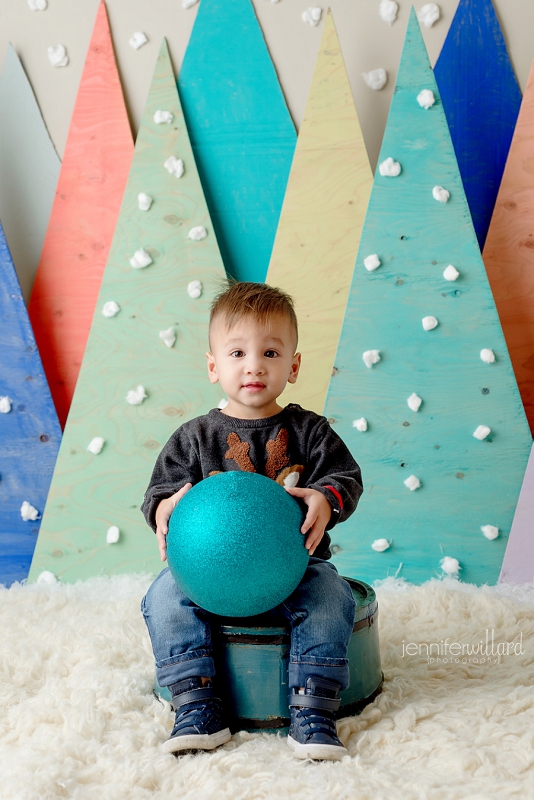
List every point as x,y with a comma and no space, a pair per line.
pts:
277,459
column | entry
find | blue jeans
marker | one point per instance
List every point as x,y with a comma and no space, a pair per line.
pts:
320,613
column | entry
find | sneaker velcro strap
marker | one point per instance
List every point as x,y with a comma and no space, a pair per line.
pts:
192,696
314,701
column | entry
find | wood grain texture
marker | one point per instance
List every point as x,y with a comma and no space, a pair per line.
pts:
29,434
481,98
91,184
322,218
242,134
29,169
518,563
509,251
466,483
89,493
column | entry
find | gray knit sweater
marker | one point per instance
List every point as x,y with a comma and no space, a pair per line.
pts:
293,447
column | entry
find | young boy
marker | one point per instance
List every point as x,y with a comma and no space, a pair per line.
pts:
253,341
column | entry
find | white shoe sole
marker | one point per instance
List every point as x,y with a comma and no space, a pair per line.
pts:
322,752
206,741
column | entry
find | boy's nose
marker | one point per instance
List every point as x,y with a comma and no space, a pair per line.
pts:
255,366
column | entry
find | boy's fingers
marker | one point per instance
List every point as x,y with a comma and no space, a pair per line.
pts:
309,521
295,490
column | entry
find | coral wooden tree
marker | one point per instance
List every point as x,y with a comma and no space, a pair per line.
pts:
91,183
424,392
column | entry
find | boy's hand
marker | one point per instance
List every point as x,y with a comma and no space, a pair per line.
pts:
317,518
163,515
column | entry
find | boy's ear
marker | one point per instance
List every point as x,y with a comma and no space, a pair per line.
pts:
295,366
212,369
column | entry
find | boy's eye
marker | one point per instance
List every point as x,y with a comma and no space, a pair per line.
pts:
237,354
271,353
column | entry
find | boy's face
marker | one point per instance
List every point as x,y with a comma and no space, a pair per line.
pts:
253,362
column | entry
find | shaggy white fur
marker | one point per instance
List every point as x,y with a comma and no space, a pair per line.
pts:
78,718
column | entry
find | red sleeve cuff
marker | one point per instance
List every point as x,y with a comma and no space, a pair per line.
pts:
336,494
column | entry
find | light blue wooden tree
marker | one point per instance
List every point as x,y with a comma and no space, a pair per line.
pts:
466,483
242,134
29,429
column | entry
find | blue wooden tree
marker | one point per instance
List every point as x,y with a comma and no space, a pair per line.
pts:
29,428
242,134
481,98
422,364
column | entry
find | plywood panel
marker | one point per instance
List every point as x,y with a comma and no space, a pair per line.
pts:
481,98
322,218
518,564
509,251
242,135
466,483
29,431
29,169
89,193
89,492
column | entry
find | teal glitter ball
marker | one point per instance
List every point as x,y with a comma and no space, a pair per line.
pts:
234,544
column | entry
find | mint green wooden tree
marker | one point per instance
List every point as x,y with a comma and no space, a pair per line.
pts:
155,255
433,490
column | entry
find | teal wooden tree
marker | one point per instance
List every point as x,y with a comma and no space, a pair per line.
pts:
433,490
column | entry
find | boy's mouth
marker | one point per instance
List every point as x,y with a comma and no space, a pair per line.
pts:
255,386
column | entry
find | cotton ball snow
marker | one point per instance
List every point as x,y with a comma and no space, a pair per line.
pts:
487,356
414,402
389,168
450,565
58,56
376,79
194,289
388,11
37,5
175,166
144,201
110,309
47,578
5,405
28,512
379,545
490,531
113,535
429,323
429,14
371,357
312,15
140,259
168,336
440,194
426,98
371,262
450,273
136,396
481,432
163,117
95,445
197,234
223,402
360,424
189,3
137,40
412,483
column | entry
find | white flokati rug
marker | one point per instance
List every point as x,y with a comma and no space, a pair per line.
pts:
78,718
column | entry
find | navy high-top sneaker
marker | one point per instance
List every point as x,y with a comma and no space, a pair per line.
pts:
312,733
199,718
